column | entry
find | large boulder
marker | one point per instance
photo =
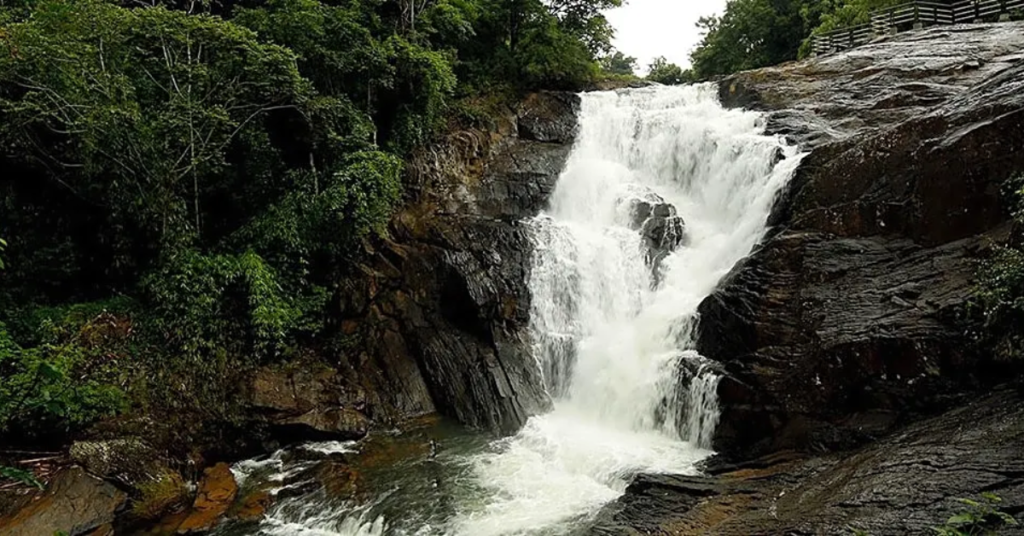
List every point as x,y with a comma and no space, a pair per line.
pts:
658,222
309,402
848,320
74,503
129,462
217,492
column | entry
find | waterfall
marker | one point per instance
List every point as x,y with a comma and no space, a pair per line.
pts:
613,321
664,192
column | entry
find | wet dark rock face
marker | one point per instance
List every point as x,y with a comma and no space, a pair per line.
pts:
905,484
435,320
659,223
848,321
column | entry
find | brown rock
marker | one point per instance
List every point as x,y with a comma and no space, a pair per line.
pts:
332,423
103,530
74,502
254,505
216,493
309,403
341,480
296,390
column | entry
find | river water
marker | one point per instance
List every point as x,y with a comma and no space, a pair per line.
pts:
612,331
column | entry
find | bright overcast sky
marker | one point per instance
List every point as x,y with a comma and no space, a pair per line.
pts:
646,29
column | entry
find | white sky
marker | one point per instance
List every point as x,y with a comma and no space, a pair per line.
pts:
646,29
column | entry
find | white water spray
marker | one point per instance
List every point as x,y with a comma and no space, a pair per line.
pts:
613,340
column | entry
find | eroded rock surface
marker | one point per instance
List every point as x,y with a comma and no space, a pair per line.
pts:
216,493
658,222
847,322
126,461
74,503
904,484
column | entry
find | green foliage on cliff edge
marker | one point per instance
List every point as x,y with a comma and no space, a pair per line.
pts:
758,33
184,182
1001,289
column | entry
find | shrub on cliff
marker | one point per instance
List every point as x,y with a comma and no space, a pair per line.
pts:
1001,289
75,373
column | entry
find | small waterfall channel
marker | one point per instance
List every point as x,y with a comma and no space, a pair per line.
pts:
665,191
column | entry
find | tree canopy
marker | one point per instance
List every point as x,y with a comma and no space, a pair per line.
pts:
757,33
618,63
209,168
663,72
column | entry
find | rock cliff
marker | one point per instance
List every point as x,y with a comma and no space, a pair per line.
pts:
846,322
907,483
436,318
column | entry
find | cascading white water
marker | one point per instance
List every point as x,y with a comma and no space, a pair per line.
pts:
612,324
612,339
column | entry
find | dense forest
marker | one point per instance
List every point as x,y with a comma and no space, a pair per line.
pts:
183,181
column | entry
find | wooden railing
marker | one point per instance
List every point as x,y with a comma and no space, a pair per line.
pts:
915,15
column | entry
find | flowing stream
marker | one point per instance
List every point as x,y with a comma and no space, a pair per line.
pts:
612,322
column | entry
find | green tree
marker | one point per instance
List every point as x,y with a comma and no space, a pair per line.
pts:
836,15
757,33
663,72
1000,295
618,63
142,111
741,38
584,19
